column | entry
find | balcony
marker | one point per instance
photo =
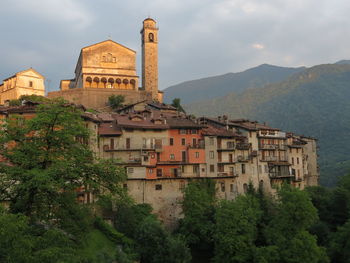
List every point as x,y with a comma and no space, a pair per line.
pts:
196,146
242,146
273,159
272,134
280,175
242,158
268,146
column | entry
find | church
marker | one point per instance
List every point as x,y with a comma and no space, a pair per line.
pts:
109,68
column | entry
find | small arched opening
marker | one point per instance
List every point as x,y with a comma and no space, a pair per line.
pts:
104,82
95,82
110,83
88,82
151,37
133,84
126,82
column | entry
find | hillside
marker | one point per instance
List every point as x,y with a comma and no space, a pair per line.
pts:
207,88
313,102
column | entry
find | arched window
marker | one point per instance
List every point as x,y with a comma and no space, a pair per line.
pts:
151,37
133,82
95,82
104,81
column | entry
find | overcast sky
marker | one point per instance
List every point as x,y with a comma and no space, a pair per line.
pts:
197,38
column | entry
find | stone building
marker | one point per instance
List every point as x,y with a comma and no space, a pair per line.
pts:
26,82
162,150
108,68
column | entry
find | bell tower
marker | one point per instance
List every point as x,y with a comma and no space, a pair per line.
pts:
149,36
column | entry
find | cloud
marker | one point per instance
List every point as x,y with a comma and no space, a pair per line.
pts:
258,46
68,12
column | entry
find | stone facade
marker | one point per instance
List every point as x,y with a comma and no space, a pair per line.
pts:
27,82
108,68
163,150
149,35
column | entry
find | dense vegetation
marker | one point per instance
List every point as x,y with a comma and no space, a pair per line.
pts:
312,225
313,102
47,161
217,86
46,164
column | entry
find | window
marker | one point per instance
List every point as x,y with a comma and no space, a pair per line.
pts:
243,168
130,170
172,156
222,187
231,188
197,154
297,160
145,158
158,187
112,144
195,169
211,154
183,141
194,142
151,37
230,145
128,142
182,131
150,171
211,141
144,143
30,84
125,186
212,168
182,169
193,131
171,141
159,172
184,156
292,160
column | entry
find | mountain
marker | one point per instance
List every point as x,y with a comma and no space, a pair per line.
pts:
313,102
206,88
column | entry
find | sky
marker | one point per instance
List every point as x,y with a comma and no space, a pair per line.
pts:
197,38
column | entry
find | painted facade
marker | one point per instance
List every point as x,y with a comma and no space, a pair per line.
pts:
27,82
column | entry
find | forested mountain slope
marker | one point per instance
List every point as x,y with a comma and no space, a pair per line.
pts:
207,88
314,102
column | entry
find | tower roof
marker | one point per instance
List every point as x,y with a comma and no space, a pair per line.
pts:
149,19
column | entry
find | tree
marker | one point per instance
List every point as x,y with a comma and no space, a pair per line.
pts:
48,160
155,245
22,242
236,229
177,104
288,230
116,101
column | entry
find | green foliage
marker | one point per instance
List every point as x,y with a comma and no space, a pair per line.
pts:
156,246
288,230
116,101
236,229
177,104
49,161
129,216
312,102
340,245
21,242
31,98
198,208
